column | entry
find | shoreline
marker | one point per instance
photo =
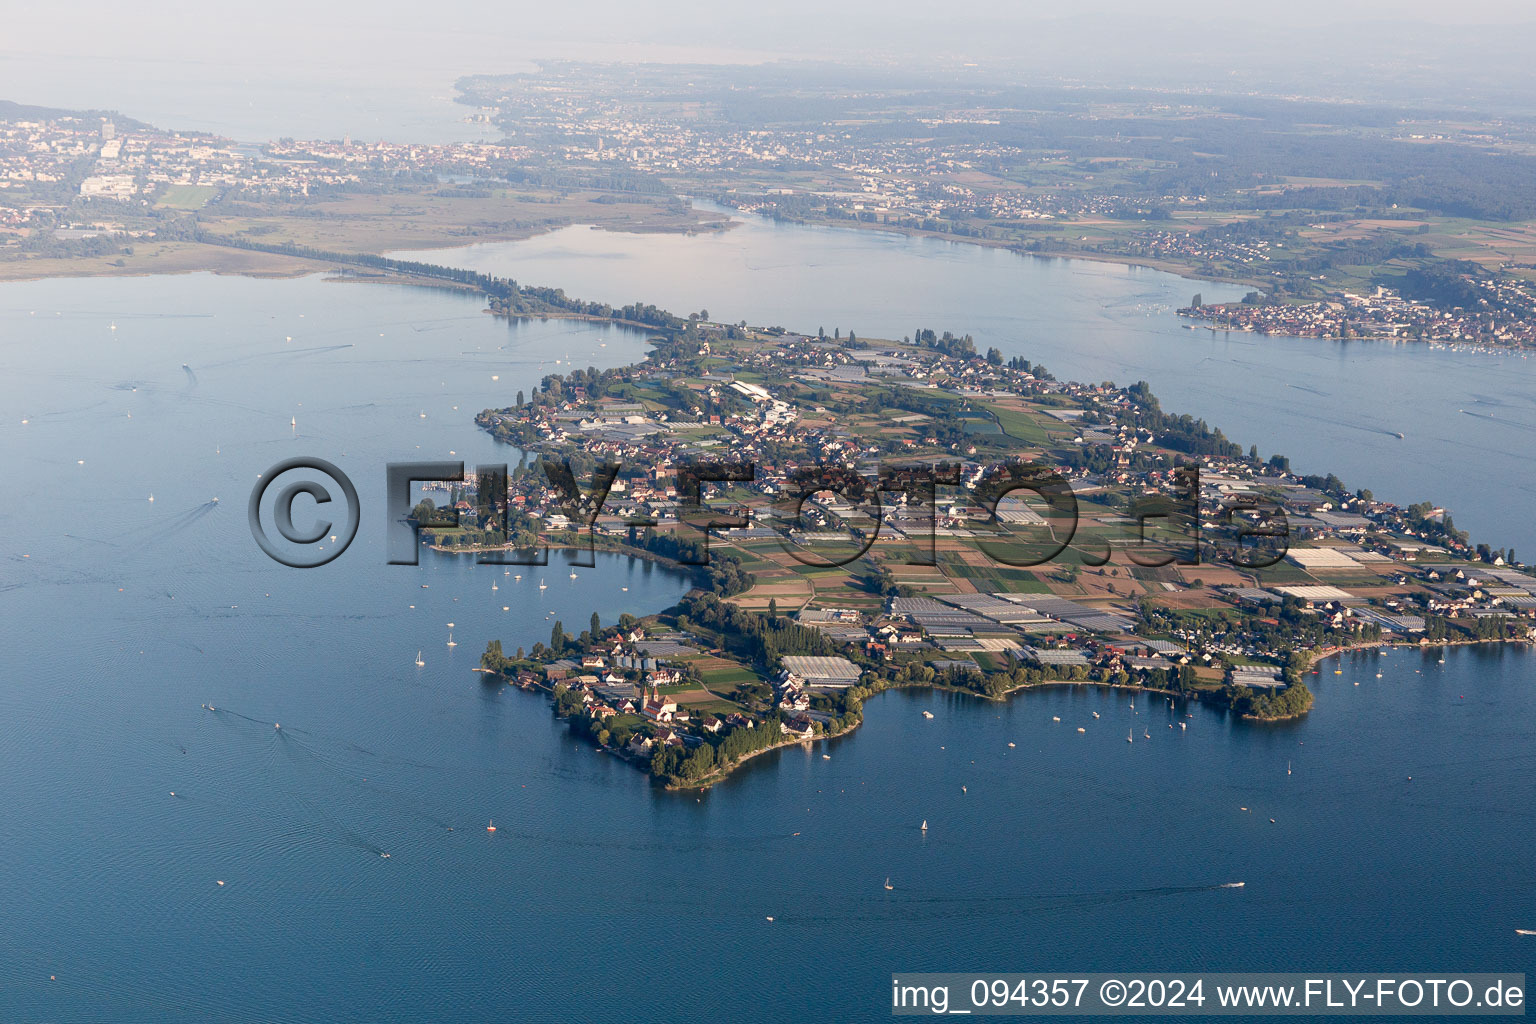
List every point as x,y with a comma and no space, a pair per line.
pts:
718,775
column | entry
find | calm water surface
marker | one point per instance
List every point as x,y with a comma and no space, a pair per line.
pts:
1468,420
598,898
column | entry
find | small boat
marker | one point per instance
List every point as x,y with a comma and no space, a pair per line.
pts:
491,827
1233,885
1010,746
1081,729
1378,675
927,714
1182,725
963,789
1055,718
518,576
1525,931
925,825
770,919
826,757
1095,714
419,662
384,855
888,884
151,498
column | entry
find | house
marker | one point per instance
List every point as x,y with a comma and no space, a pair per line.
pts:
640,744
799,726
794,699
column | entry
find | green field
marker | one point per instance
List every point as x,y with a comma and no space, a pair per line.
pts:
722,676
1019,425
186,197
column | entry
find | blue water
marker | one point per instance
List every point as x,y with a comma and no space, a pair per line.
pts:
598,897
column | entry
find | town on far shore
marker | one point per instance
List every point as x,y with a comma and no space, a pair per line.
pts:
810,603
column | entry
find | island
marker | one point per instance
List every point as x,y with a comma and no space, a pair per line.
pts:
837,501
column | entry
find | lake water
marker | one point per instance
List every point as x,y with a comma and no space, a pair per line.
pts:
599,898
1468,420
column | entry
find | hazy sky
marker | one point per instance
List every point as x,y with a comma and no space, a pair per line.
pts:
298,67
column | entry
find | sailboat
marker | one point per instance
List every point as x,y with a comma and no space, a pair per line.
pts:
888,884
491,827
419,662
1287,767
573,575
543,585
1130,736
494,586
925,825
451,642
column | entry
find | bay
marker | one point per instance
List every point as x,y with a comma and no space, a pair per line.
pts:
1467,419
